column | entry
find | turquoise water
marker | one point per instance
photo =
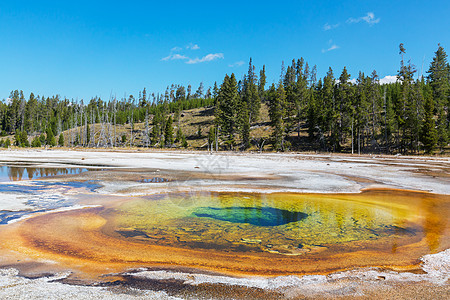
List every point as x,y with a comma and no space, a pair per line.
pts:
258,216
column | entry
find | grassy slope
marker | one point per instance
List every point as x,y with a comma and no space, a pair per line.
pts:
189,122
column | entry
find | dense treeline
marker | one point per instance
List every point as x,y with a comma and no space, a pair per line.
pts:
332,113
407,116
46,118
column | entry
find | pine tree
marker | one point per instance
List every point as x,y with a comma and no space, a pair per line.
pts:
251,94
328,108
244,124
312,115
403,104
439,79
228,100
389,122
344,108
179,135
301,105
88,135
168,132
36,142
21,138
51,141
24,139
42,139
277,113
361,110
375,107
184,144
415,115
199,132
428,133
14,111
189,89
215,93
61,140
262,83
293,106
30,113
211,137
199,92
17,138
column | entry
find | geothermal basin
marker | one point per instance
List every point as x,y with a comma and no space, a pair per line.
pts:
159,222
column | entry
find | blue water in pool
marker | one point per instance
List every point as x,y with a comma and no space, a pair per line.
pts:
37,190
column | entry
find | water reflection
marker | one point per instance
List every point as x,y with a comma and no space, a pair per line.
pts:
14,173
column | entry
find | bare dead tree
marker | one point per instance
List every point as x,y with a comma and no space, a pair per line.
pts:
110,129
115,108
131,125
146,138
100,140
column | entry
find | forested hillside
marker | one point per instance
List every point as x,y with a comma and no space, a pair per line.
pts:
299,112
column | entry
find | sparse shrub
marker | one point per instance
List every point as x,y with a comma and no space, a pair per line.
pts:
287,146
42,139
61,140
36,142
199,132
24,139
17,138
51,141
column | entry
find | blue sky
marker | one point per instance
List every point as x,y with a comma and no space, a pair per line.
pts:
81,49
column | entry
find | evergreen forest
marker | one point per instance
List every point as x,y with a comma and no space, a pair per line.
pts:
300,112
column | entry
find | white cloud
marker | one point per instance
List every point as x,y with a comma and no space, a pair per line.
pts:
237,64
388,79
180,55
206,58
333,47
192,47
176,49
327,26
352,81
174,57
369,19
